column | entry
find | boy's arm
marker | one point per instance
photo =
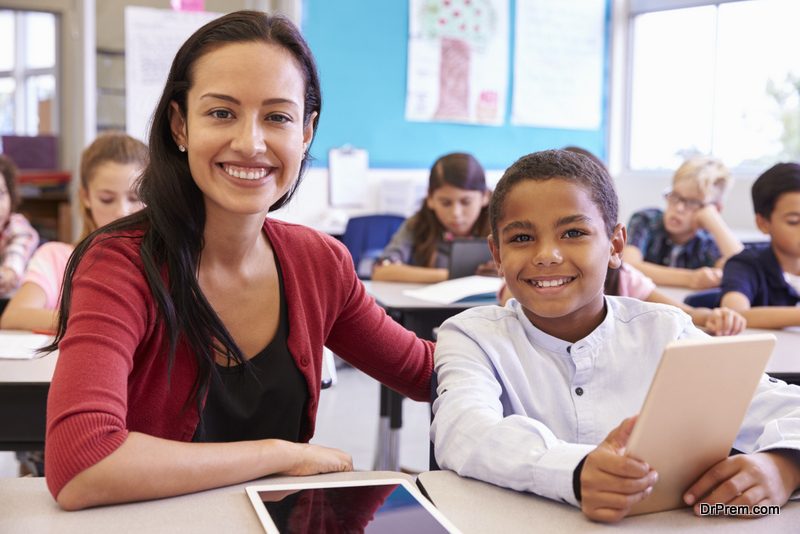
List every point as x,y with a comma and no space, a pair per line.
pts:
702,278
765,478
474,438
610,482
770,433
709,218
762,316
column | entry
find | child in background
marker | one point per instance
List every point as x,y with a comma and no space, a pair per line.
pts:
531,395
18,239
456,206
686,244
764,283
109,169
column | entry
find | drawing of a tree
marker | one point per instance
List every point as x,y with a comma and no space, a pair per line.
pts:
462,26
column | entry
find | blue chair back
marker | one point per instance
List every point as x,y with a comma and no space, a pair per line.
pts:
365,237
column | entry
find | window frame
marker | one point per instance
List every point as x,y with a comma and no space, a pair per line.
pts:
619,135
21,74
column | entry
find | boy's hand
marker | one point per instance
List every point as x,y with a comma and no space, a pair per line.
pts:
763,478
725,322
705,278
706,217
611,483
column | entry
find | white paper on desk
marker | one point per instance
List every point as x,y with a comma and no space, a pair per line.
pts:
22,346
454,290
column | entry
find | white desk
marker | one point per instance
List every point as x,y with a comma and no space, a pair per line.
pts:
785,360
26,506
23,401
478,507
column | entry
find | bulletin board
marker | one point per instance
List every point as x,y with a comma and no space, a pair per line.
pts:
361,50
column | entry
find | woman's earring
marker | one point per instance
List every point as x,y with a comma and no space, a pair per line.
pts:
181,148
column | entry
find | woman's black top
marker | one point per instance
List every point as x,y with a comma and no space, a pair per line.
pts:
265,398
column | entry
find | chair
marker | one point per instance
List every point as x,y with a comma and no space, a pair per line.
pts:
366,236
710,298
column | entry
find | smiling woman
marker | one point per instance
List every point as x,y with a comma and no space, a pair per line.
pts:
191,334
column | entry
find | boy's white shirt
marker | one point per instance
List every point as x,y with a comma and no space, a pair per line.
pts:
508,411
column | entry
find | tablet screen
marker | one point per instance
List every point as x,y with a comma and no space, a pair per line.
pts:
385,508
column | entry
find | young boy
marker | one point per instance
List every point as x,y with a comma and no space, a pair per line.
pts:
688,243
531,395
763,283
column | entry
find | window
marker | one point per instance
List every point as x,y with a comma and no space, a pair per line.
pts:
28,73
721,78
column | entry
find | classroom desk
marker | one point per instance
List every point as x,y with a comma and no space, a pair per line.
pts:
479,507
785,360
23,401
421,317
27,506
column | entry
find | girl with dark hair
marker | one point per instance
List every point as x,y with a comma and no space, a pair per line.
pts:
457,205
191,333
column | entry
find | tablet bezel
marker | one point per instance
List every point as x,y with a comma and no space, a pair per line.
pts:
468,248
270,528
697,362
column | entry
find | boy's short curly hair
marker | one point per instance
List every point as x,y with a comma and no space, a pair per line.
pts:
774,182
709,174
564,164
9,171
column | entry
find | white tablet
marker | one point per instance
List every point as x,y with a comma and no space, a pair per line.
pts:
694,409
371,506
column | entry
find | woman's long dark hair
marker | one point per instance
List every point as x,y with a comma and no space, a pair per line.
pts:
459,170
174,217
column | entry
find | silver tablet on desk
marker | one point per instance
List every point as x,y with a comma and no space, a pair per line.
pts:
694,409
369,506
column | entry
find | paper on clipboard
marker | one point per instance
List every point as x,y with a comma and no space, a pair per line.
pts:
347,173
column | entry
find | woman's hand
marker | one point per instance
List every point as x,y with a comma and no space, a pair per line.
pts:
611,483
725,322
314,459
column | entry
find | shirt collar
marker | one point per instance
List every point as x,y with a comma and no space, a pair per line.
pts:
554,344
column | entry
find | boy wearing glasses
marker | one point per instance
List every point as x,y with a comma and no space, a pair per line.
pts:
688,243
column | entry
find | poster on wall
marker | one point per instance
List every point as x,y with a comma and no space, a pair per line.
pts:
152,37
558,63
457,61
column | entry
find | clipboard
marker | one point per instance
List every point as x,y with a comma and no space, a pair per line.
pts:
347,176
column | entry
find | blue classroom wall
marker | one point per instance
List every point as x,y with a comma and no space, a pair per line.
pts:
361,48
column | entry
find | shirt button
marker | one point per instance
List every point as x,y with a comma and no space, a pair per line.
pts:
579,391
304,361
773,380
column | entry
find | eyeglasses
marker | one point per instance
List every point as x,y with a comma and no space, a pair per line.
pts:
674,199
